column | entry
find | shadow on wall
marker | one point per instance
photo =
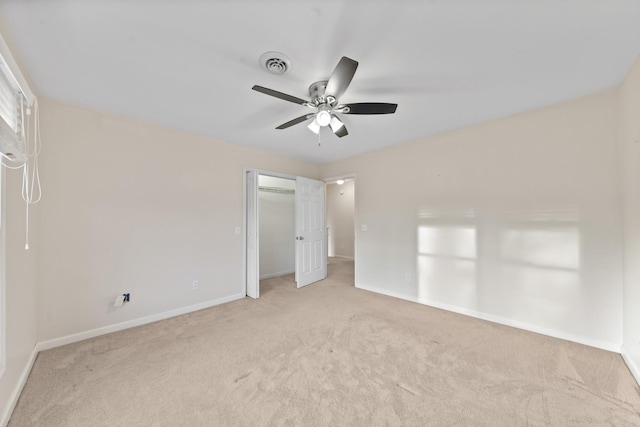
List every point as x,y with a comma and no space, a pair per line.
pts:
524,265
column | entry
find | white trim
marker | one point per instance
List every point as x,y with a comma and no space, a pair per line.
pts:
14,70
244,229
13,399
57,342
3,275
632,367
259,172
273,174
278,274
616,348
354,177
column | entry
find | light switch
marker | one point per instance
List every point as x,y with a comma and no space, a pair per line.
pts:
363,227
237,230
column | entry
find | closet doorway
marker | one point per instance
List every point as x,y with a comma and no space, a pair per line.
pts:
271,229
276,226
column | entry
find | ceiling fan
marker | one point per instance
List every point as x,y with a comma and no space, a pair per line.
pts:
324,99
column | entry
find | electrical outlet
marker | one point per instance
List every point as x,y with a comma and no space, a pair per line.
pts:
121,299
196,285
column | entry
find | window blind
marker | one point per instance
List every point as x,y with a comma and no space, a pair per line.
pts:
12,144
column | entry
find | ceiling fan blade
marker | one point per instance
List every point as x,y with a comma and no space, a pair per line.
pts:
295,121
338,127
341,77
370,108
280,95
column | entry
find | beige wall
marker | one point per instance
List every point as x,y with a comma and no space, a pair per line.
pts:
20,288
516,220
630,143
133,207
19,307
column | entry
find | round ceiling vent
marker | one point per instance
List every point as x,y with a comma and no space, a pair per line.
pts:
275,62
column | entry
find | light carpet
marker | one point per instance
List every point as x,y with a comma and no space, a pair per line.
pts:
326,355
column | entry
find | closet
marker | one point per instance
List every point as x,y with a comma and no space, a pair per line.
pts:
276,226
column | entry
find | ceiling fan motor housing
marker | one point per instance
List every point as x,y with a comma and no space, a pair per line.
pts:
317,92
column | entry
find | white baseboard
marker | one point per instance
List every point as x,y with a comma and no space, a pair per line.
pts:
278,274
57,342
616,348
13,399
632,366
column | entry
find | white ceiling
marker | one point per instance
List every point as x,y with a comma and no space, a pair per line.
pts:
190,64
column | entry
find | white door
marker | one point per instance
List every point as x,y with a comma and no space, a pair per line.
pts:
251,227
311,263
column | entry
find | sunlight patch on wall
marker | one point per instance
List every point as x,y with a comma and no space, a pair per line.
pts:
521,264
540,263
544,241
447,241
447,252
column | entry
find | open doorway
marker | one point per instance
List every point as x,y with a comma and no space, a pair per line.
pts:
341,219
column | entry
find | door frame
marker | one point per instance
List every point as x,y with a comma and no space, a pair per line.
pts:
245,218
352,176
294,177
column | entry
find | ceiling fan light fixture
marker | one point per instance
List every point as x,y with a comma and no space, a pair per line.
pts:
314,127
335,123
323,118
